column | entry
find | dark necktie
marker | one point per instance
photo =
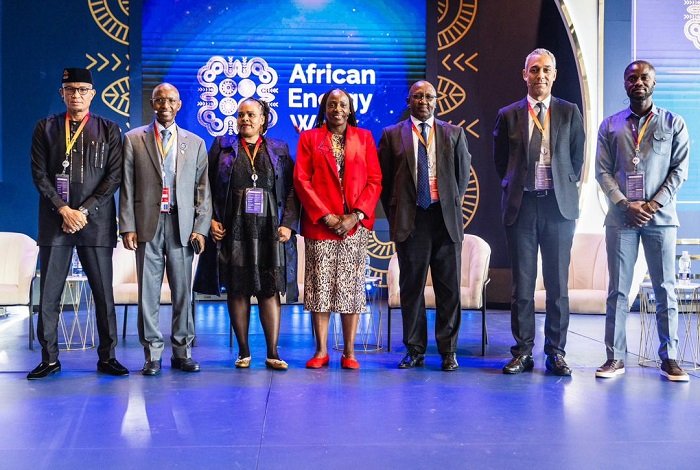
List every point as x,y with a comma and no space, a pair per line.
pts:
422,178
535,148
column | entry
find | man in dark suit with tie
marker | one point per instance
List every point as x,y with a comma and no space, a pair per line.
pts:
164,211
76,166
425,171
538,151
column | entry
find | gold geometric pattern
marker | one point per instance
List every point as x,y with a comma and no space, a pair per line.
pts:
105,19
450,95
380,249
461,22
116,96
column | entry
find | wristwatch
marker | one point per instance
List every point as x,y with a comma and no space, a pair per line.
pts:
84,211
360,215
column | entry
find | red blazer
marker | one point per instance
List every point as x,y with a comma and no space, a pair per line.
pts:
318,186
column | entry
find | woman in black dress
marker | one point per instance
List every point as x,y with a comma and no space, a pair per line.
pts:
249,175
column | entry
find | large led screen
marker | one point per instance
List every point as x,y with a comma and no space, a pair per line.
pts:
667,34
286,52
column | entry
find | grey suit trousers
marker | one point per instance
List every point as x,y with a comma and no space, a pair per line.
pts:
165,251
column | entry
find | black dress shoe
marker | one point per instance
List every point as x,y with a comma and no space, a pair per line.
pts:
412,359
44,370
556,364
112,367
151,368
449,362
185,364
519,364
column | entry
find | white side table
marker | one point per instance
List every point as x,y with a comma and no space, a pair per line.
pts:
369,325
689,328
76,333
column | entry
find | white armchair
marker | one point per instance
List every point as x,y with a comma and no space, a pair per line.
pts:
125,281
476,255
18,256
588,276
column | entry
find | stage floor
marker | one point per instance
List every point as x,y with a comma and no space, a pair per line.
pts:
378,417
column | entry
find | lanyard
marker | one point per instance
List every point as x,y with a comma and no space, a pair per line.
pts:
259,142
640,135
70,143
420,136
255,151
536,120
159,143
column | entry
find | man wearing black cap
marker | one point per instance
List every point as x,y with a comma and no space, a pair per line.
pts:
76,167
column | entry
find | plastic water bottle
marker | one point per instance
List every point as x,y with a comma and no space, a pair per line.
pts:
368,266
684,263
76,267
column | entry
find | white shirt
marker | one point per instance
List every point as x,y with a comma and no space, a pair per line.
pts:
531,124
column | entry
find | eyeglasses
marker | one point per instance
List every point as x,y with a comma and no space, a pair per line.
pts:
70,91
421,97
162,101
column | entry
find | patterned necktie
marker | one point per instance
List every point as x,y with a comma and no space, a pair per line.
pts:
422,178
168,160
535,148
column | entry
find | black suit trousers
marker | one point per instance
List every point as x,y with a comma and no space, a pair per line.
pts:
430,246
540,224
55,263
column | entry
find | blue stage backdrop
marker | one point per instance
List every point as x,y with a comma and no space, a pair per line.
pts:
288,53
667,34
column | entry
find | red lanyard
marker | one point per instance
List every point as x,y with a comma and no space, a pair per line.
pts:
536,120
420,136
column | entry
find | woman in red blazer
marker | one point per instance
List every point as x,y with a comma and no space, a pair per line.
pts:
338,181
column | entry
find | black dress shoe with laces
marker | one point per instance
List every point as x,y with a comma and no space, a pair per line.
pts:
151,368
519,364
112,367
412,359
556,364
449,362
185,364
44,370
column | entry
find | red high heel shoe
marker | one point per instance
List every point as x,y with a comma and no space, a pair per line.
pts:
318,362
349,363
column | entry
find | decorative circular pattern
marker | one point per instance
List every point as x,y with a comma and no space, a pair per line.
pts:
450,95
460,24
108,22
378,248
228,106
228,87
116,96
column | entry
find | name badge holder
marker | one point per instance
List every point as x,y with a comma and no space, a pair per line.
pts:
543,169
63,183
165,201
254,196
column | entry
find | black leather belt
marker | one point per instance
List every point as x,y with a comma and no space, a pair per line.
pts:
541,192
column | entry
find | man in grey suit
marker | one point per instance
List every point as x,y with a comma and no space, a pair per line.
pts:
425,171
164,212
538,151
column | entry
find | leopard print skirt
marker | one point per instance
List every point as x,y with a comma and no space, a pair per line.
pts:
335,274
